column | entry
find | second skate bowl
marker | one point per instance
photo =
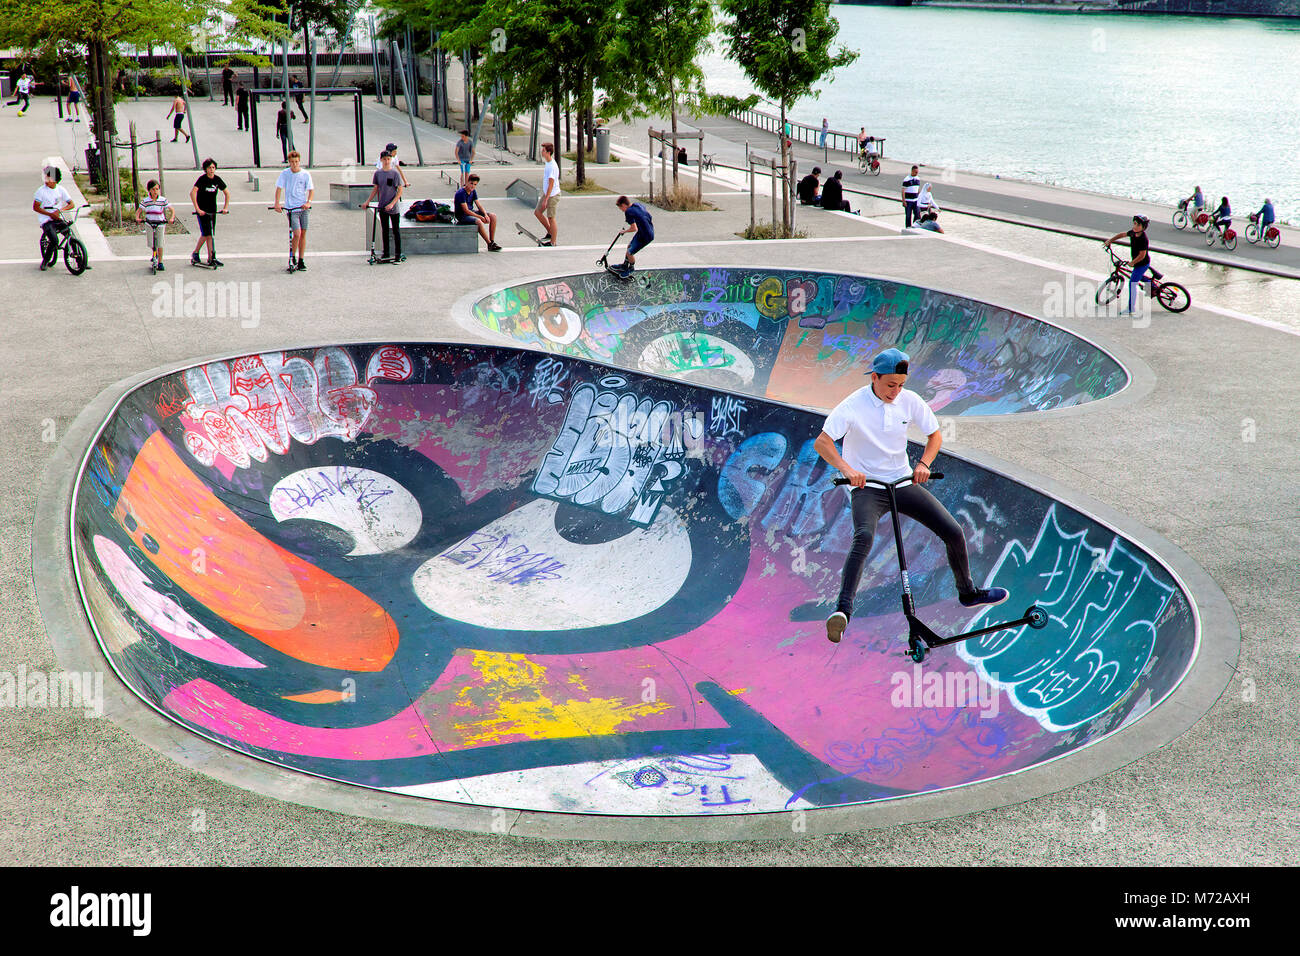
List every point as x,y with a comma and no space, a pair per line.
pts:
500,578
802,337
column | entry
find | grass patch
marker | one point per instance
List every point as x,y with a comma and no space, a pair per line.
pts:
589,187
589,156
681,199
767,230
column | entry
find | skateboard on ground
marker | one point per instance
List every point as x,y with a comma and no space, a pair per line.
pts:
524,232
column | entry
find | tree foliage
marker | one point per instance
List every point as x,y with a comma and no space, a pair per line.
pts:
785,49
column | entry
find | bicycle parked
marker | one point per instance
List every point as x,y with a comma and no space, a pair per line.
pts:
1173,296
66,241
1272,236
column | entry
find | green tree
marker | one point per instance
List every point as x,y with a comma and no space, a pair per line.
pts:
785,49
543,49
655,52
100,28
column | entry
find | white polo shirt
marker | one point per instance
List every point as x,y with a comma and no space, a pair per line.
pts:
875,432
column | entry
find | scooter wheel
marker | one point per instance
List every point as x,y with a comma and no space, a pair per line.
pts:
1037,617
918,652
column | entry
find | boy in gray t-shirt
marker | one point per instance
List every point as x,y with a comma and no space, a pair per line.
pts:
387,184
464,156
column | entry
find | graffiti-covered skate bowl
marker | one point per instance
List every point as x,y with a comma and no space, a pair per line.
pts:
802,337
501,578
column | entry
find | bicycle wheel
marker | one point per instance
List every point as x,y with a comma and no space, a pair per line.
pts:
1252,233
862,164
1109,290
1273,238
1180,220
1173,297
1229,242
875,168
1211,236
75,257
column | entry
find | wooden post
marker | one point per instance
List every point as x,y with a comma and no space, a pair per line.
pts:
135,169
663,168
774,191
750,161
699,173
794,166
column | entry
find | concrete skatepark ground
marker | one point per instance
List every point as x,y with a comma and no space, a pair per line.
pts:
1157,454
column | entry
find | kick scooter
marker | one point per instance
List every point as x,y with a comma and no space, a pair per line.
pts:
615,271
920,638
374,222
212,262
291,268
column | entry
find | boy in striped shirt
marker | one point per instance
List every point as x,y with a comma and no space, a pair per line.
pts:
155,212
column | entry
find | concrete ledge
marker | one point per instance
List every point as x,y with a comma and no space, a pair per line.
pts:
525,192
354,194
426,238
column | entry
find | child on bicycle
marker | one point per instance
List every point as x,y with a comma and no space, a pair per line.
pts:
155,212
49,203
1141,259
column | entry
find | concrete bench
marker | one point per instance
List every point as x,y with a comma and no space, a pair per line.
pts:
424,238
525,192
352,194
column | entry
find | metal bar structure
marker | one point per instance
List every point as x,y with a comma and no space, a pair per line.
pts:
410,106
374,63
284,69
311,116
189,115
836,140
345,41
357,113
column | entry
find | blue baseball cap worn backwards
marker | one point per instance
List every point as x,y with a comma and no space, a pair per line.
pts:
890,362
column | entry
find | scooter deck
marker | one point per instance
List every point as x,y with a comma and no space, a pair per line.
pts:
921,639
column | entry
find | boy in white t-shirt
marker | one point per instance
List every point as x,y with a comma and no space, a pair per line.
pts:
294,189
49,203
873,425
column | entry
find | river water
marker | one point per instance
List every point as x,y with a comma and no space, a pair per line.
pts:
1142,107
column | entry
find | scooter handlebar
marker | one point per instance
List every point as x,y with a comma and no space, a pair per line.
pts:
934,476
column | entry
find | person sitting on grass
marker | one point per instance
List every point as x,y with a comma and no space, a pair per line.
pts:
470,212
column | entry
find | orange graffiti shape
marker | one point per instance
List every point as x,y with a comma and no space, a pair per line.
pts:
240,576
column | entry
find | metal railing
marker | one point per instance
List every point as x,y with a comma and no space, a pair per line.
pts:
836,140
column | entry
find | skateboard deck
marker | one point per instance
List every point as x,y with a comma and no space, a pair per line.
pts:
522,231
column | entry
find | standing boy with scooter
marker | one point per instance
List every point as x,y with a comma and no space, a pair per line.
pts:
873,425
204,197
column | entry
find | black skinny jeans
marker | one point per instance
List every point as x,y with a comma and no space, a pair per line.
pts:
914,502
391,220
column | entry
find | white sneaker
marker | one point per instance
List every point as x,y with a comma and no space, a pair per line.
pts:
835,625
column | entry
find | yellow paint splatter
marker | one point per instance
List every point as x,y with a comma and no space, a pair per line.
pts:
518,705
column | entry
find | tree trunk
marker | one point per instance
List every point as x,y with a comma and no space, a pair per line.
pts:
672,93
580,171
785,193
555,116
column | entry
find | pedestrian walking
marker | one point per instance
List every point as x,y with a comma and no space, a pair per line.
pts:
550,201
178,109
